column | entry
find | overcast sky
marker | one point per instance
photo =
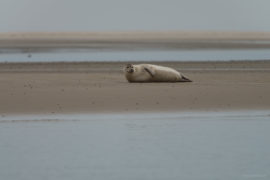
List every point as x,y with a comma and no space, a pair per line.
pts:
134,15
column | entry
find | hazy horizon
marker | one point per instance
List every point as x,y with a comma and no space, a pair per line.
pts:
127,15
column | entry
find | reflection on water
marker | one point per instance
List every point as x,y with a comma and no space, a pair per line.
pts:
77,55
210,145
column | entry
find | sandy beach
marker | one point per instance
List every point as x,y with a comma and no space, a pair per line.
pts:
49,88
93,87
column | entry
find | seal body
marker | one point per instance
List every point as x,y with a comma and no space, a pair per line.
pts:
153,73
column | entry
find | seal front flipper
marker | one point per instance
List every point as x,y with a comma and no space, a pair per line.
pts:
149,71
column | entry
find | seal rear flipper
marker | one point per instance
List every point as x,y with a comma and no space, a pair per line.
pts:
184,79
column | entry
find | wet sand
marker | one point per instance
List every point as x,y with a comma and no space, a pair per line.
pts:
50,88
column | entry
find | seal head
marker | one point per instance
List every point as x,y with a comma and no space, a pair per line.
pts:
129,68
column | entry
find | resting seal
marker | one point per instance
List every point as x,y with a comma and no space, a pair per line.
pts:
153,73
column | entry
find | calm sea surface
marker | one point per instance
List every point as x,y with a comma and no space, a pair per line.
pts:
76,55
187,145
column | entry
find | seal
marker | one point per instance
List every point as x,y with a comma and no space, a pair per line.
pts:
152,73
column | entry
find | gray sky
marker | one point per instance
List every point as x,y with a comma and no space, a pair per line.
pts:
133,15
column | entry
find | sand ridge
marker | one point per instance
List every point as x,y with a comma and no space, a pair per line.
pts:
101,87
112,40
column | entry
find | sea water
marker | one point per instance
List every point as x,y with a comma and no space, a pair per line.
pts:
180,145
90,55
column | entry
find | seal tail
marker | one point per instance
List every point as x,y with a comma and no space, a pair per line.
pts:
185,79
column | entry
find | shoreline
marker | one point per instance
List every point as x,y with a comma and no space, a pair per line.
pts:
64,88
114,66
81,116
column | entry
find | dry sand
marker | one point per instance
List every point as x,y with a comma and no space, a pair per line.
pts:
101,87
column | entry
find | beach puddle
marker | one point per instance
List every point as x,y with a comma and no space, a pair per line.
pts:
91,55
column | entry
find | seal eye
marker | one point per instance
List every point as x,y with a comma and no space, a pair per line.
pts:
129,66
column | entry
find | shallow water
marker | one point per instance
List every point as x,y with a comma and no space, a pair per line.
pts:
76,55
188,145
